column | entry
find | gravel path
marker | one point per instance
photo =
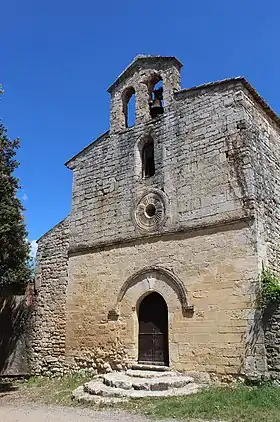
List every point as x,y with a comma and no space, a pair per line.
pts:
24,413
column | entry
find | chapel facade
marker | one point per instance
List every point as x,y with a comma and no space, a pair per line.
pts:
172,221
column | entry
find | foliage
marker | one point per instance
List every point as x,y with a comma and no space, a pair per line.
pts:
14,249
233,404
270,293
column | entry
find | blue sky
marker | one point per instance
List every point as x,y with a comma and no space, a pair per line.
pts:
59,57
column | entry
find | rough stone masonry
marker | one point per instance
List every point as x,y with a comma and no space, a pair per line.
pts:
197,231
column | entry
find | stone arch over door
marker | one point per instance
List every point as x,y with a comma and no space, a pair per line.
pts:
134,290
158,279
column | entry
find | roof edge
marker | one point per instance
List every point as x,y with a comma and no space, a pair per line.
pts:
52,228
103,135
137,59
265,106
260,100
210,84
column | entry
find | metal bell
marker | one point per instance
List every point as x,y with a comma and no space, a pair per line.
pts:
156,106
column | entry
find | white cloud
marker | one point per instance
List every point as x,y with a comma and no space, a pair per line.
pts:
34,247
24,197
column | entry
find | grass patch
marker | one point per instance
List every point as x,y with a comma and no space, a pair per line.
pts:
52,390
236,404
232,404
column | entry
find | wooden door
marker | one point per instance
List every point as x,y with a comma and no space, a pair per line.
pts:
153,330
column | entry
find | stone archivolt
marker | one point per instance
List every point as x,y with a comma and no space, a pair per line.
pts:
157,279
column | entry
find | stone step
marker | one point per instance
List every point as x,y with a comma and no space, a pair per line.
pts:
147,367
107,395
157,383
117,387
83,397
98,388
182,391
139,373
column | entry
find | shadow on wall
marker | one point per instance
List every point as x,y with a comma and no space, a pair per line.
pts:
14,327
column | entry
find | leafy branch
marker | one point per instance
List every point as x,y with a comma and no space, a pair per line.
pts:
270,293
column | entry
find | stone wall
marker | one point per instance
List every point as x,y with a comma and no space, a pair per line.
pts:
192,144
49,319
261,144
261,140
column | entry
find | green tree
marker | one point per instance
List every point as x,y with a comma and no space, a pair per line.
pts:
14,249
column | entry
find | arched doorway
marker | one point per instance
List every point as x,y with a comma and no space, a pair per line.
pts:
153,330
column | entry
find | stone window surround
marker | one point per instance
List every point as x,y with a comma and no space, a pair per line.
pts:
138,154
148,159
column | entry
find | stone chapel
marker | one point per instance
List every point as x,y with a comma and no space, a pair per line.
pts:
172,220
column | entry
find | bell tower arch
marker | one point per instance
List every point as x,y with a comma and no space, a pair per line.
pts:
141,78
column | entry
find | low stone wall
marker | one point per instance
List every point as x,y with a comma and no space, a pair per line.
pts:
93,363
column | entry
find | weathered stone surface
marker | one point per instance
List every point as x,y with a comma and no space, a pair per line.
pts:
200,377
271,322
81,396
49,317
149,369
98,388
122,387
146,382
150,374
118,380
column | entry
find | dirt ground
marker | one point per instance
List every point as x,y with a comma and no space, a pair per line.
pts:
26,413
16,407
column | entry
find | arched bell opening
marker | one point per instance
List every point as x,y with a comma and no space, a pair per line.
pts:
153,330
129,106
155,88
